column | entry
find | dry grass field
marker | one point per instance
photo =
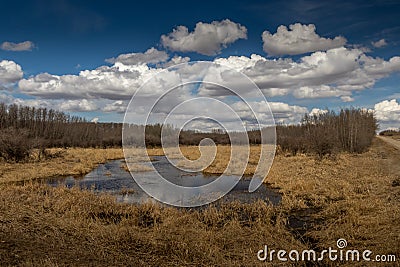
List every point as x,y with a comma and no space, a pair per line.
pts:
61,162
350,196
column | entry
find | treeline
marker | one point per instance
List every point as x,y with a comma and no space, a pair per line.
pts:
390,132
350,130
152,135
51,128
25,128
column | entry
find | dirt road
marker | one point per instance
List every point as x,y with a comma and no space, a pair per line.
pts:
391,141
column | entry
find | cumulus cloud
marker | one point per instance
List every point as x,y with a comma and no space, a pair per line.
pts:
337,73
78,105
379,67
207,38
232,116
5,98
317,112
346,98
322,91
387,113
298,39
39,103
333,73
10,72
116,82
82,105
287,114
23,46
380,43
282,112
117,106
151,56
175,61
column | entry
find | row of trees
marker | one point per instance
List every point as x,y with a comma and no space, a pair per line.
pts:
51,128
24,128
390,132
350,130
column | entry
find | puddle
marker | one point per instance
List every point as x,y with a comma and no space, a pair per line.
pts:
111,178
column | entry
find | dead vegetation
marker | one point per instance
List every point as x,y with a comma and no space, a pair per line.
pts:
350,196
135,167
70,161
57,226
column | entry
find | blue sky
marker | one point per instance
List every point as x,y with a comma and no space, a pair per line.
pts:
67,37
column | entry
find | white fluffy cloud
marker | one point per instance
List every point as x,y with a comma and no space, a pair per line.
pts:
23,46
322,91
95,120
82,105
380,43
39,103
78,105
287,114
10,72
317,111
118,106
10,99
151,56
207,38
116,82
175,61
298,39
387,113
333,73
380,68
336,72
227,114
346,98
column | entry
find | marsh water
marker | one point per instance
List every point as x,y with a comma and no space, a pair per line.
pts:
113,179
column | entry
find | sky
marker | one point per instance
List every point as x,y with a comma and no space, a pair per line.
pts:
89,58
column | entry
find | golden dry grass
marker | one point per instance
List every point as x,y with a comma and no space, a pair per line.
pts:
220,163
41,225
352,196
71,161
135,167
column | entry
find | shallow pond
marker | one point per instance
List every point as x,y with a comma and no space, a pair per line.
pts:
111,178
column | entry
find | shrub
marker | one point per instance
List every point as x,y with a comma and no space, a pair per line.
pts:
15,145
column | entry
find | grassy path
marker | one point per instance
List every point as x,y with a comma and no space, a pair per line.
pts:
391,141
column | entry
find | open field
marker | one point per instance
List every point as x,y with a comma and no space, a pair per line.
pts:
44,226
350,196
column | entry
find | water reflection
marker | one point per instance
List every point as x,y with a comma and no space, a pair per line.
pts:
111,178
